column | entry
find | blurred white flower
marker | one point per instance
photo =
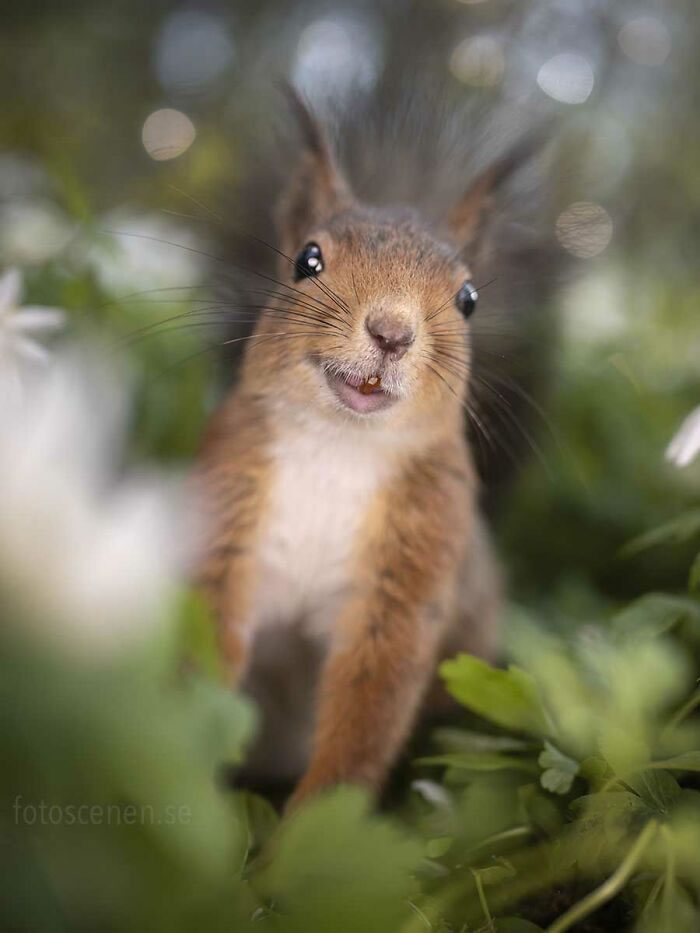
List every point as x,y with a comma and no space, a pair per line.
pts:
594,308
88,554
32,231
685,446
432,792
19,328
145,251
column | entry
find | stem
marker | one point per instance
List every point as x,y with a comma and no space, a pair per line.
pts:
482,898
683,712
608,889
611,782
416,909
653,894
506,835
669,880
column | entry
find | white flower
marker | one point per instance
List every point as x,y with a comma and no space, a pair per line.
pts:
19,327
685,445
432,792
88,554
145,252
33,231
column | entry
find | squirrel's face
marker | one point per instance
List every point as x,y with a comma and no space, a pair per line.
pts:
376,311
371,320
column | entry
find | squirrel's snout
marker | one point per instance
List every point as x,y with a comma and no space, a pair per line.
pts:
391,334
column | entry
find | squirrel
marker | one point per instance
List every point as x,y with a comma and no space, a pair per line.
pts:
347,550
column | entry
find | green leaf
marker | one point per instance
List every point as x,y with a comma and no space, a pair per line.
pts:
603,822
262,819
655,614
615,803
335,867
463,740
508,698
596,771
677,531
659,789
198,634
694,578
222,721
540,810
483,762
436,848
496,874
623,749
688,761
673,912
560,770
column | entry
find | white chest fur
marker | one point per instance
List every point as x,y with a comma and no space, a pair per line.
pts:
324,481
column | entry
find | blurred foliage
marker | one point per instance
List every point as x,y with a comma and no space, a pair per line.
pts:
575,795
584,763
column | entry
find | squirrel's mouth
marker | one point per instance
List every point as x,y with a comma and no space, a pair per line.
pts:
359,393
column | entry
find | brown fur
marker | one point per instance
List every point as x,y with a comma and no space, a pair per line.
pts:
418,573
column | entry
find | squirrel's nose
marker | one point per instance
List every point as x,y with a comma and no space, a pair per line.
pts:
390,334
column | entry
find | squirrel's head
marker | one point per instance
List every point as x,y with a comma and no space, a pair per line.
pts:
372,319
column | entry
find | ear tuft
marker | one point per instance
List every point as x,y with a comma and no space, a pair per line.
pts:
467,218
316,189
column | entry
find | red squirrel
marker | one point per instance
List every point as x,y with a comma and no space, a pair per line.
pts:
347,552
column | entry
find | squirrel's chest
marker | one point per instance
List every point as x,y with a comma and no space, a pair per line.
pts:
321,491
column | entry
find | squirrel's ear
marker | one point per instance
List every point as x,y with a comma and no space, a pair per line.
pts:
466,220
316,188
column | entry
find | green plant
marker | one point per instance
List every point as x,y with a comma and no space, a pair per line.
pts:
585,784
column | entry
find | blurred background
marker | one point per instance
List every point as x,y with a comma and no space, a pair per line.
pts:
126,129
137,118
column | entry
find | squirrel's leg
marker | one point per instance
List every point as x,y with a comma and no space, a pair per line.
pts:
230,487
371,687
387,636
235,618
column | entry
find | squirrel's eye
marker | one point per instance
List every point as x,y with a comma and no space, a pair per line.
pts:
309,262
466,299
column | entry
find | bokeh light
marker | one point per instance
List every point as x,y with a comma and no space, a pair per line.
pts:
336,55
567,77
645,40
478,61
192,49
584,229
167,133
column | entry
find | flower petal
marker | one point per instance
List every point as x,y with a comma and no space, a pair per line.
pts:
685,445
33,318
10,289
31,350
